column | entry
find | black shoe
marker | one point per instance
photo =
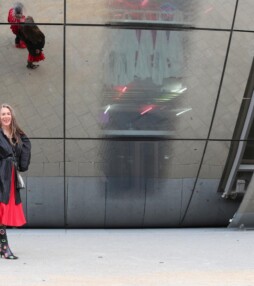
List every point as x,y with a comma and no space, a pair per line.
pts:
31,66
6,253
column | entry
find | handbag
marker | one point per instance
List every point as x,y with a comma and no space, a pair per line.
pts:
20,181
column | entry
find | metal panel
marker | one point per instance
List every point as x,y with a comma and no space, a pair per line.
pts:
244,217
45,201
233,86
209,14
86,202
207,208
23,194
125,202
244,16
163,202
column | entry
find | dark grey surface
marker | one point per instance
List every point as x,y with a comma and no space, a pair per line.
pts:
125,202
96,202
163,202
45,202
86,202
207,207
244,217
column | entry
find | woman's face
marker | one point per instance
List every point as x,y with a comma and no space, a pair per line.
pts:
5,117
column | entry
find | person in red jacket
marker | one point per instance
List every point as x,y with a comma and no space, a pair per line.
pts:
15,17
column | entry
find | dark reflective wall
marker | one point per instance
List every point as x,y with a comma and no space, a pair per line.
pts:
132,113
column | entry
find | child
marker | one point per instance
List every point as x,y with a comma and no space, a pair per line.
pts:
34,40
15,15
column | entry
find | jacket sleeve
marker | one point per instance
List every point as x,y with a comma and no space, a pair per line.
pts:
25,155
5,148
42,42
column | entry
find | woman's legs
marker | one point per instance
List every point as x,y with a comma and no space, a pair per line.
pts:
19,43
17,40
4,246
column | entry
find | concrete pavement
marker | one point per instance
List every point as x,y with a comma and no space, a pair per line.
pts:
116,257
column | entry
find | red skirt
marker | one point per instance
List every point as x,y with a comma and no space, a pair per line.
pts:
12,214
38,58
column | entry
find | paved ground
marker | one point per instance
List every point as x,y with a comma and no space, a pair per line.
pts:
53,257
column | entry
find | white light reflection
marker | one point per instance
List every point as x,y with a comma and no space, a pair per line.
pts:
107,109
185,110
179,90
182,90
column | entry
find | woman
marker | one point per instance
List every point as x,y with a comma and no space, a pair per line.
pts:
15,154
15,17
34,40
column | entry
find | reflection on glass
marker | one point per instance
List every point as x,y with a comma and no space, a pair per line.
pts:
154,82
234,86
248,157
127,160
144,77
86,11
244,15
84,158
46,158
146,11
44,11
196,12
214,160
37,95
146,83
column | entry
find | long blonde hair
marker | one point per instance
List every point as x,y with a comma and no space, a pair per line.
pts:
16,131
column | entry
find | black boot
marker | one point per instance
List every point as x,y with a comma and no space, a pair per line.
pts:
32,66
5,251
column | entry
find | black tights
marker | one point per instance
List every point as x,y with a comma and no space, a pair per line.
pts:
5,251
17,40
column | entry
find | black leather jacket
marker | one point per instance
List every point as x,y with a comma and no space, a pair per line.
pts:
17,156
31,47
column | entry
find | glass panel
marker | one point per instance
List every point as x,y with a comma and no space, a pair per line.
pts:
84,158
248,157
47,158
122,175
234,84
86,11
46,11
214,160
174,159
45,184
209,13
251,131
146,83
198,13
37,95
84,80
244,16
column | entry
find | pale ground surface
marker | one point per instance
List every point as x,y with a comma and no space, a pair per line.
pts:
54,257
